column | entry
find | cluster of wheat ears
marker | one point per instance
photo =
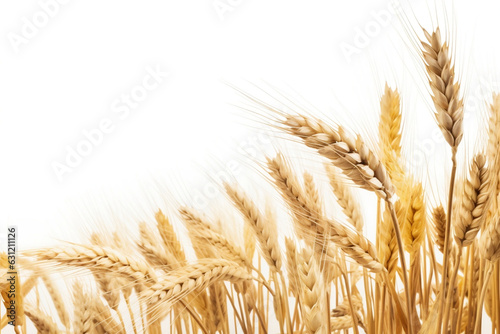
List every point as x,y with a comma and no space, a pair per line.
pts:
329,277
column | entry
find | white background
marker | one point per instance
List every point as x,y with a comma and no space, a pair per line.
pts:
64,78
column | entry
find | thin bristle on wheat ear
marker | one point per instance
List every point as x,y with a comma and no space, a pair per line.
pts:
265,231
474,205
445,88
347,152
193,277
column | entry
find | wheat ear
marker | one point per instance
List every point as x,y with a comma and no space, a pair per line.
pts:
445,88
347,152
389,130
490,240
312,291
169,237
475,199
152,250
100,258
82,312
56,297
415,221
265,230
197,276
387,244
345,198
439,226
42,322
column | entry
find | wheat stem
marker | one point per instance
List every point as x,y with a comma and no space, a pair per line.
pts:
403,264
447,240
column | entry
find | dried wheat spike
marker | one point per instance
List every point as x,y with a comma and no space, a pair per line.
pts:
193,277
152,250
292,266
415,221
42,322
490,240
169,237
103,316
312,292
308,223
492,152
347,152
387,244
439,226
445,88
223,246
355,245
345,198
56,297
264,228
474,205
82,322
100,258
390,134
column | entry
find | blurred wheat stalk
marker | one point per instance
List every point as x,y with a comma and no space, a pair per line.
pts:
330,278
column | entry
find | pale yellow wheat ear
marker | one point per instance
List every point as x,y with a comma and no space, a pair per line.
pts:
312,291
473,208
292,263
355,245
347,152
445,88
264,228
193,277
102,259
202,235
152,250
490,240
56,296
82,322
389,130
415,220
42,321
387,244
439,226
169,237
492,151
349,204
308,224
